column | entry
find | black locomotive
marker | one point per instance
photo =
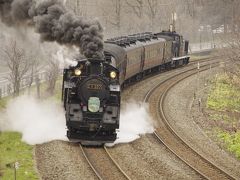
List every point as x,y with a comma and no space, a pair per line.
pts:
91,95
91,90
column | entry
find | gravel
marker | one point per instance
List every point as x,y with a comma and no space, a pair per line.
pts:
185,115
103,163
58,160
146,158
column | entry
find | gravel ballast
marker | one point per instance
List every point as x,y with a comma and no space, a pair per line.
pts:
184,112
58,160
144,158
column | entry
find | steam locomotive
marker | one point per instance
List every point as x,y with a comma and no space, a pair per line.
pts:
91,90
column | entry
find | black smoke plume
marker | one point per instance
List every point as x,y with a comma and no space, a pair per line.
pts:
55,23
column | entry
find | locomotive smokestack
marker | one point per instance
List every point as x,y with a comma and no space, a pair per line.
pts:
55,23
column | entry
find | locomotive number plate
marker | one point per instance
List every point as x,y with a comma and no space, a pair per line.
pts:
95,86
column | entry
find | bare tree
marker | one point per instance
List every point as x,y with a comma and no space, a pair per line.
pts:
52,74
135,9
33,74
18,64
77,6
152,11
113,14
231,51
136,6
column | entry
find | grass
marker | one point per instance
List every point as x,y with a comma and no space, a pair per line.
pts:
14,150
3,102
224,103
224,96
220,117
58,91
231,141
43,88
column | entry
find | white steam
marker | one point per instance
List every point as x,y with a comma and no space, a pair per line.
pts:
63,56
134,121
38,121
43,121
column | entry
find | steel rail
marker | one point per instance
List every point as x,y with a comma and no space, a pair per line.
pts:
118,168
90,164
163,117
116,164
161,110
110,156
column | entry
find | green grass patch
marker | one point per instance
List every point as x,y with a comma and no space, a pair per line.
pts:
224,102
33,91
58,89
232,141
224,96
57,96
4,101
220,117
14,150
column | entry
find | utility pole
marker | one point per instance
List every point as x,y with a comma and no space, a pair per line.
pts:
233,16
15,167
173,25
198,67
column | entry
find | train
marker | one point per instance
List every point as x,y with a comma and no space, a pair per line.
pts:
91,91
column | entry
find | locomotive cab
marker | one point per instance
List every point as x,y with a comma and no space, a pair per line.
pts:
179,48
91,96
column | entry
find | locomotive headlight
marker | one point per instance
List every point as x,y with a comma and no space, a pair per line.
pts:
77,72
113,74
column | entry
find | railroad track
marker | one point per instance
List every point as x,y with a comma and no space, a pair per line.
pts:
101,161
103,164
169,137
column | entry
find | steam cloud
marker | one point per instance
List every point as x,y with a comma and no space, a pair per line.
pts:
38,121
134,121
54,23
43,121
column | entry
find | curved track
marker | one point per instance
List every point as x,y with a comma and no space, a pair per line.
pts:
167,135
103,164
105,167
